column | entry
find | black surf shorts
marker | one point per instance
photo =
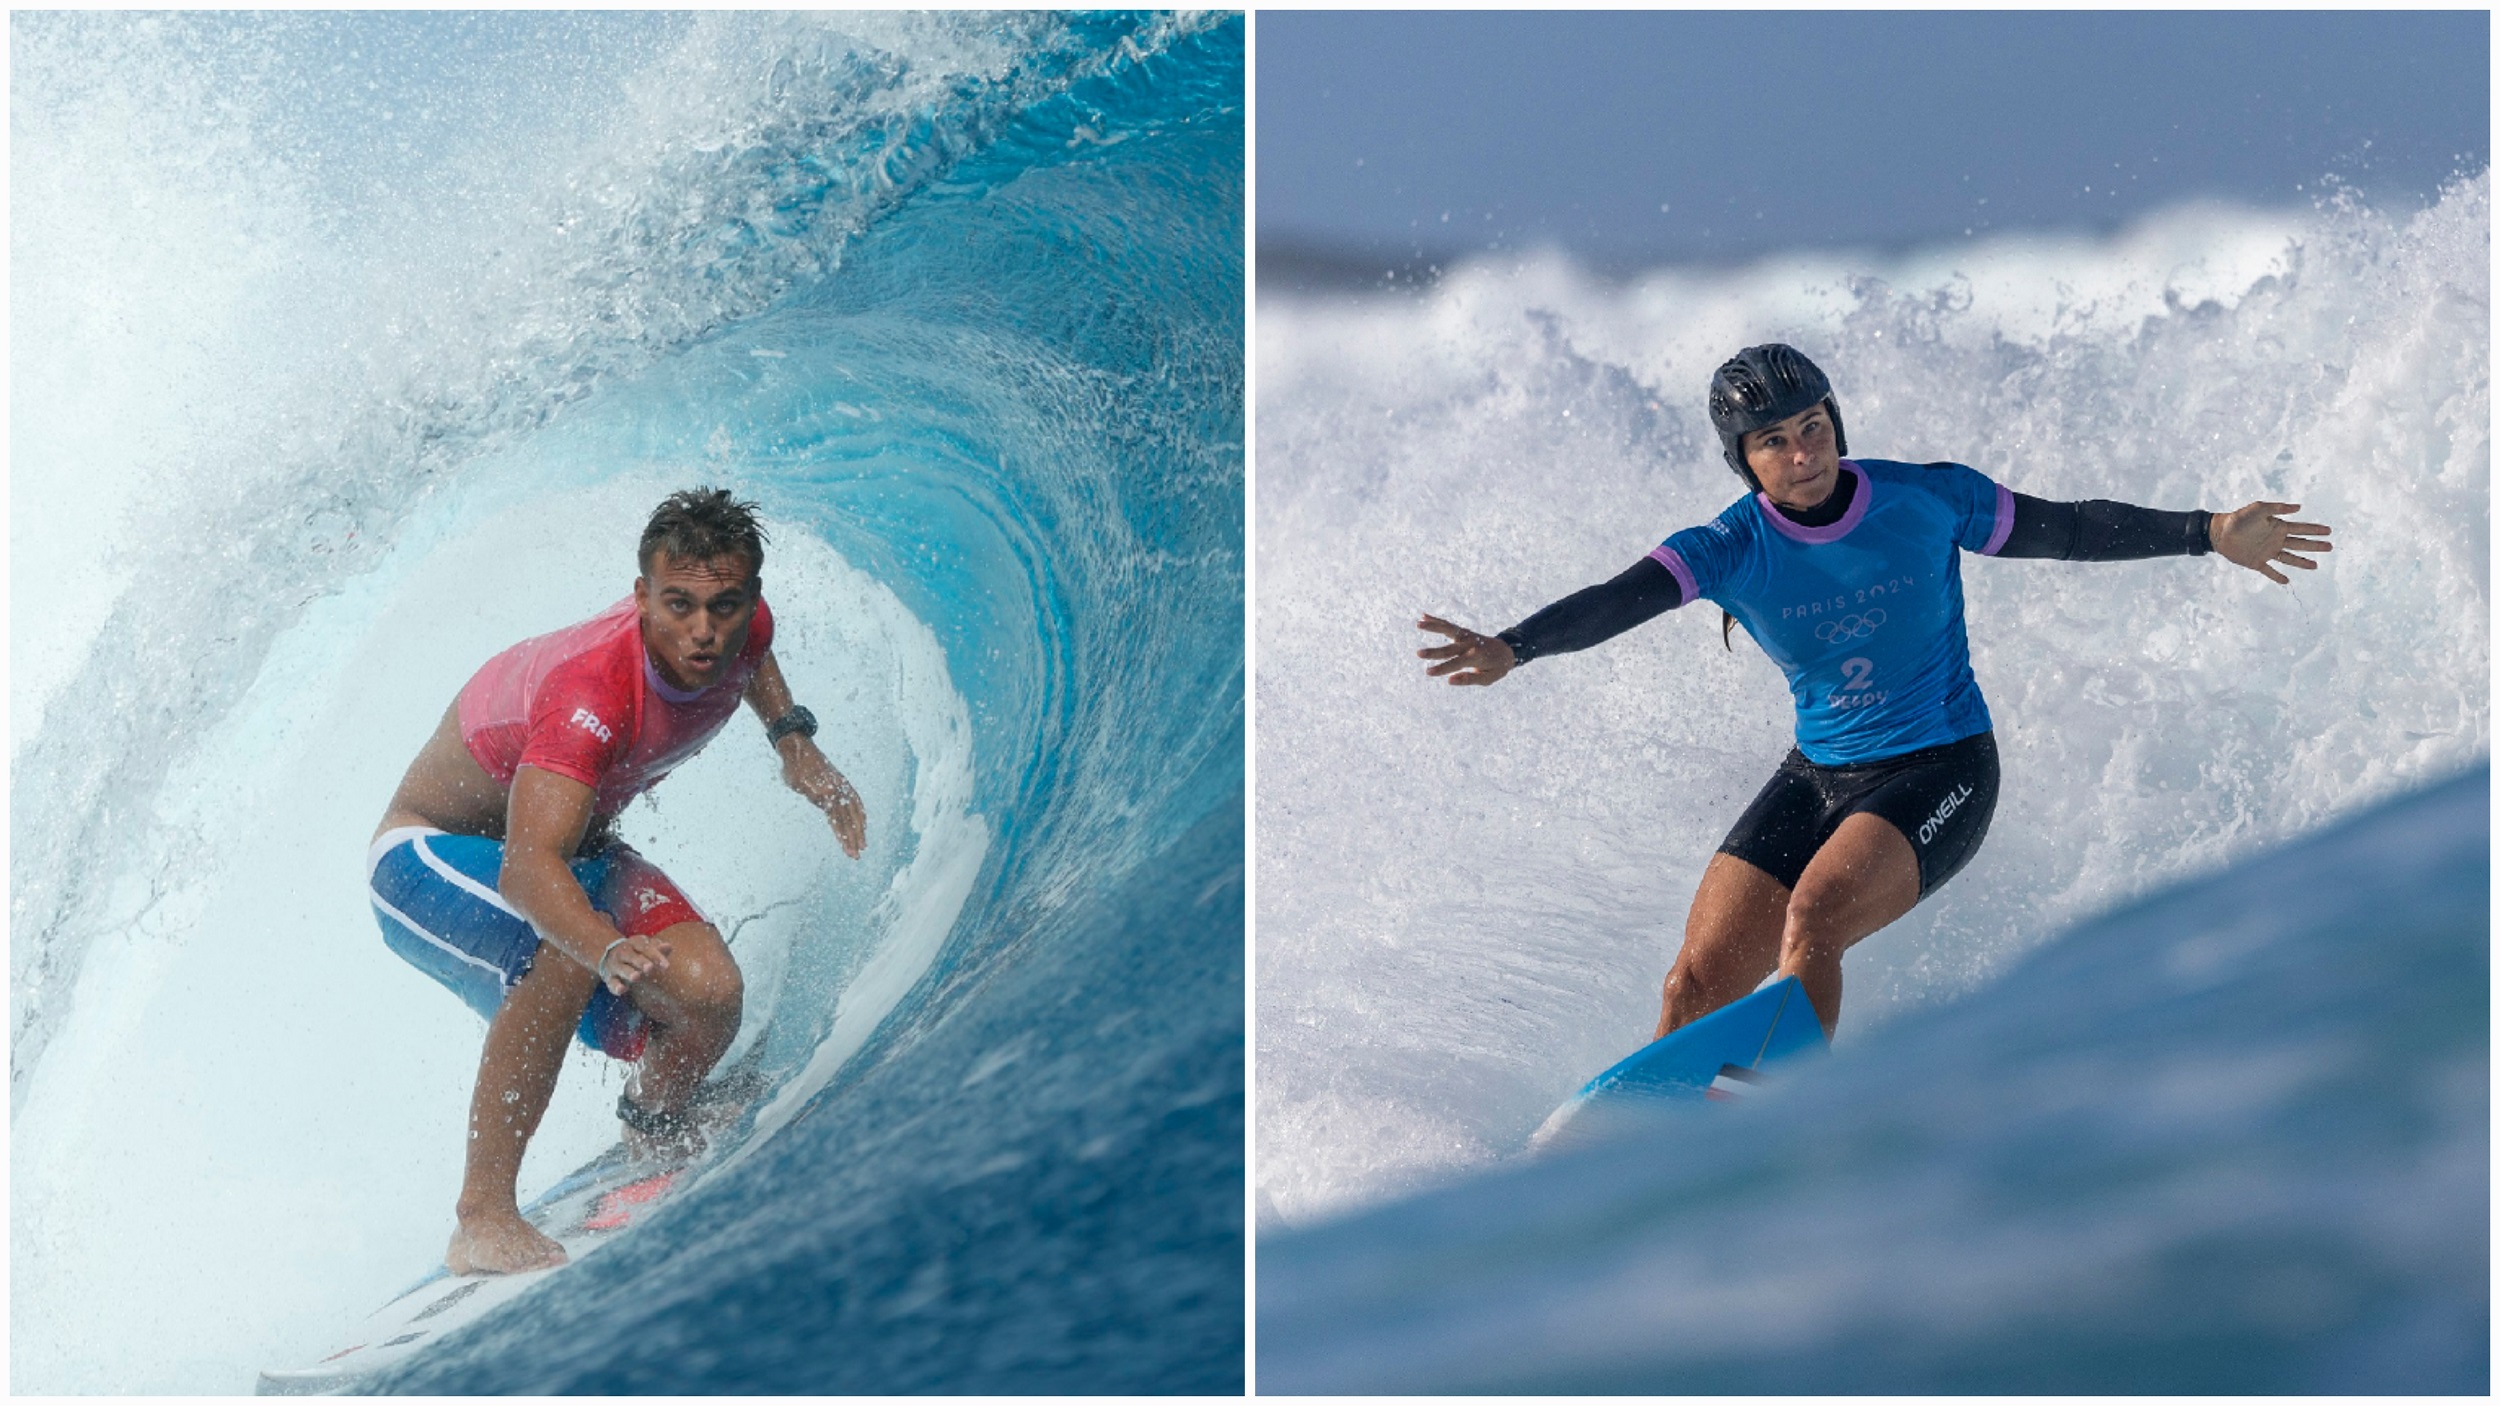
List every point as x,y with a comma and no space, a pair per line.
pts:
1939,798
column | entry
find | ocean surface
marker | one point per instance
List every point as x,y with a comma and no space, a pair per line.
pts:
2234,1139
351,348
1468,898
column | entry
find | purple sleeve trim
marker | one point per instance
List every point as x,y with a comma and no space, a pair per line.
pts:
2005,522
1673,561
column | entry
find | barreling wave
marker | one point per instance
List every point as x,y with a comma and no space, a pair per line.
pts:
704,204
957,299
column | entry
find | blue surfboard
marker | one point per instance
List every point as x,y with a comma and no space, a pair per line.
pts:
1714,1058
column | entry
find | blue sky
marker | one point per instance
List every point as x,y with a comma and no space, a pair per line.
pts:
1631,137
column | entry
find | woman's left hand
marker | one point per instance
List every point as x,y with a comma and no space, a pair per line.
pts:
2258,538
805,770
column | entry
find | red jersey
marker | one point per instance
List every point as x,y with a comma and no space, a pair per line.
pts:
588,703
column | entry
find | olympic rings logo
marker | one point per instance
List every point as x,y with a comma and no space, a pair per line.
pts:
1849,627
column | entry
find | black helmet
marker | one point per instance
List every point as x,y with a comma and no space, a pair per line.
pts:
1762,386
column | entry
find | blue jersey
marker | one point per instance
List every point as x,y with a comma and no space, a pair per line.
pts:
1865,615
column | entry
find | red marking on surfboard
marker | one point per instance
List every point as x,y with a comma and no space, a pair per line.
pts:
617,1207
342,1352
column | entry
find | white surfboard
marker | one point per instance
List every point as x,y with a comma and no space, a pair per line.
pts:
582,1212
602,1199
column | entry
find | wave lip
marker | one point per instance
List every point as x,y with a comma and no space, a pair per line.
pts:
2228,1139
335,355
957,300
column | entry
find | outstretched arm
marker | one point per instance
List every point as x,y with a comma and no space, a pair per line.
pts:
2097,529
803,765
1641,593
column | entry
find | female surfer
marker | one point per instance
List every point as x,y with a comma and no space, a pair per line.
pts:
1847,572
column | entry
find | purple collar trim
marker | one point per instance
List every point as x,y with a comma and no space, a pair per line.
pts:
661,686
1832,533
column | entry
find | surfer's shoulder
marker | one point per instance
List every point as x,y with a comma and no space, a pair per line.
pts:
1734,523
1899,471
1946,489
1728,533
1931,475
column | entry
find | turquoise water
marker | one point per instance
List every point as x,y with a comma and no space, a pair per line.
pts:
958,300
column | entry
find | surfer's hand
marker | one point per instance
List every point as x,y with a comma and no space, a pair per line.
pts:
805,770
2258,538
849,818
630,960
1468,657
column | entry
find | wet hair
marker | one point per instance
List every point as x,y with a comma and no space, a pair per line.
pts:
700,524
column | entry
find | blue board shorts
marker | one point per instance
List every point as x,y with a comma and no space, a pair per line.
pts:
434,895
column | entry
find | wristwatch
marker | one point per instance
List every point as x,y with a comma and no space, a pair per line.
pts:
797,720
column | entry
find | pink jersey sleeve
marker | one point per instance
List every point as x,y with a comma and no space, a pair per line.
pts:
581,723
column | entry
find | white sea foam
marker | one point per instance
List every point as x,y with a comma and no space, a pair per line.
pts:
1467,898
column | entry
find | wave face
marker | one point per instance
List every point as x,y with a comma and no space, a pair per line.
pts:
1468,898
2231,1139
351,349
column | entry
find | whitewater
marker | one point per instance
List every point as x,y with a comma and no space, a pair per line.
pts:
349,349
1468,897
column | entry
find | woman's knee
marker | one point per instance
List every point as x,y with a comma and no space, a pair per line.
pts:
1864,877
1817,899
1818,923
1713,977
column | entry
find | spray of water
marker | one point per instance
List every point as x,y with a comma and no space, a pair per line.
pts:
340,362
1468,897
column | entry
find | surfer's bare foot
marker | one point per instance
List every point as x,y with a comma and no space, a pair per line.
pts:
500,1242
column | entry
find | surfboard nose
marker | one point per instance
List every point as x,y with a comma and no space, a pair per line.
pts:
1716,1059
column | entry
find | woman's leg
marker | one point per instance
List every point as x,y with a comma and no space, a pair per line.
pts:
1740,909
1862,878
1731,941
1745,924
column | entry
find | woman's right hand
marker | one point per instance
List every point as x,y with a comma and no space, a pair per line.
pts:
1468,657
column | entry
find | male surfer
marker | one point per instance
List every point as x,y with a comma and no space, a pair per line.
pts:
499,850
1848,574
